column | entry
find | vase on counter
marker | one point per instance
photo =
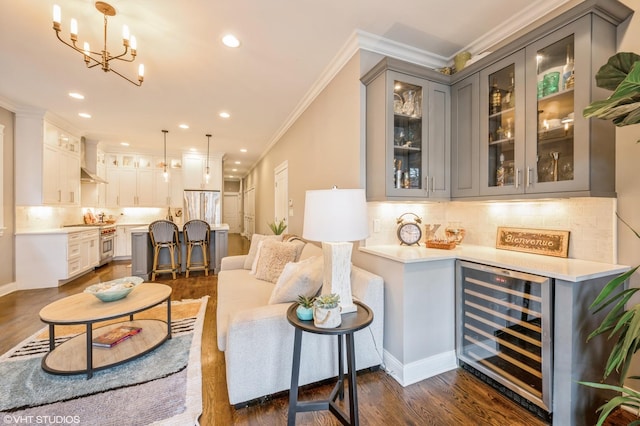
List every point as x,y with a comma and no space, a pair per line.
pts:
455,232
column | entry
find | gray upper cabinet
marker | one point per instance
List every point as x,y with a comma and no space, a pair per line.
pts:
502,130
408,132
465,133
518,120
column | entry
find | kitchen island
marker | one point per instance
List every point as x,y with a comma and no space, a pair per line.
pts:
421,308
142,250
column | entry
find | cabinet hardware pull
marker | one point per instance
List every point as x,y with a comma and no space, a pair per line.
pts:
529,177
433,184
426,184
517,178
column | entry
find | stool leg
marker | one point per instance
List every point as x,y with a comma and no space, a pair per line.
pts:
173,261
205,258
156,251
189,252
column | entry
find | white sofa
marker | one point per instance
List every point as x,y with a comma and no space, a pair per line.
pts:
257,339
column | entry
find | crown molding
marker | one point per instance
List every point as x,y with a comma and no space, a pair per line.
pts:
515,23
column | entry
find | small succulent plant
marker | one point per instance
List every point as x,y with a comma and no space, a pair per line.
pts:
278,227
327,301
306,302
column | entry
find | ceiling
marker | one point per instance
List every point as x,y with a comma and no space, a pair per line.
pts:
287,48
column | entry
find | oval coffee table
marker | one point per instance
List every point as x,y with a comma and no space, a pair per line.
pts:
78,355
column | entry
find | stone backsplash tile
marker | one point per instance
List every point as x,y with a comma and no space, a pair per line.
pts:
591,221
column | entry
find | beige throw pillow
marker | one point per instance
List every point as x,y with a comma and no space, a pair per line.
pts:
253,248
299,278
273,256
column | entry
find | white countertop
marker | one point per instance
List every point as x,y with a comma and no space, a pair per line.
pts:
65,230
548,266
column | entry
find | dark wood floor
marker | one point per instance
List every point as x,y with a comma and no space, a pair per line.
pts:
452,398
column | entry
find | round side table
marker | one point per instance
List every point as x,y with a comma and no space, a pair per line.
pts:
351,323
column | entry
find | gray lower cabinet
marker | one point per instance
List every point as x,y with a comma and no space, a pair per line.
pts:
142,252
408,132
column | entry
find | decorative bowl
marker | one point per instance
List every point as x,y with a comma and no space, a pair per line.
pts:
114,290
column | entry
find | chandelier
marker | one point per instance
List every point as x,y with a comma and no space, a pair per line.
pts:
206,175
102,58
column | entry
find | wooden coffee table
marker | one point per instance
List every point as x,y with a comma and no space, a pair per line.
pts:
78,356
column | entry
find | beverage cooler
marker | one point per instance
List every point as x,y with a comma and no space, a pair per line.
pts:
504,331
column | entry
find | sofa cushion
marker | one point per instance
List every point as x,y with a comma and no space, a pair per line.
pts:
298,278
238,291
310,250
253,248
272,258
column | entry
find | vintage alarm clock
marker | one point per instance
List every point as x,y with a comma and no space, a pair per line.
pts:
409,232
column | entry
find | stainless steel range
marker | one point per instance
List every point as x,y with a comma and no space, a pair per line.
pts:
107,243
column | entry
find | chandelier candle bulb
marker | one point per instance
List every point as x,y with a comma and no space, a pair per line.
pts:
134,45
57,15
74,29
125,34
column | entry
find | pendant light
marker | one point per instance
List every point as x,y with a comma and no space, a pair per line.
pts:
206,174
165,173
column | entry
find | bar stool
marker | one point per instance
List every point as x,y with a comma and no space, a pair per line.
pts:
164,234
196,234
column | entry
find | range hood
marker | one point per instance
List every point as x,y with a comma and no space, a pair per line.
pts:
88,162
89,177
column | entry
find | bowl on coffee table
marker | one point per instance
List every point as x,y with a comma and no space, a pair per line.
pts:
113,290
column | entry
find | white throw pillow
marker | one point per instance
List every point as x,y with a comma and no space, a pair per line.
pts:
273,256
253,249
298,278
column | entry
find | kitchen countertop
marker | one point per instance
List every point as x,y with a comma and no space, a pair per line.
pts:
65,230
560,268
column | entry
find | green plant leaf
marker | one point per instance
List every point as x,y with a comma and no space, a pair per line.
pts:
629,398
622,76
611,74
611,286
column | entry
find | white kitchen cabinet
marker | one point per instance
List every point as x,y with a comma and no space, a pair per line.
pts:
123,241
47,164
129,187
169,193
59,256
193,172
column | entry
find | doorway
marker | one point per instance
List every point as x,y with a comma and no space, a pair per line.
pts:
281,191
231,211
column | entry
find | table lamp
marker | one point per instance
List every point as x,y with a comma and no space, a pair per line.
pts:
336,217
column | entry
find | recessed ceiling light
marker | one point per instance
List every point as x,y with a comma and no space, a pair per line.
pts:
192,149
184,126
124,143
84,115
237,162
230,40
234,170
243,149
76,95
224,114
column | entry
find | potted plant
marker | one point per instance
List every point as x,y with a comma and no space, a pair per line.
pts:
621,74
304,311
278,227
326,312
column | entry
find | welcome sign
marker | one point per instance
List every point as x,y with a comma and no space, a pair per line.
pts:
537,241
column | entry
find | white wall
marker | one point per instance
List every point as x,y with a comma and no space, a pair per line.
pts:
7,273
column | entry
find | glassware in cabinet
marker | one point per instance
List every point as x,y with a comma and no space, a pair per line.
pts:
555,108
407,135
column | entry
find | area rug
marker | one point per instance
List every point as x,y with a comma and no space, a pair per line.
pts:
163,387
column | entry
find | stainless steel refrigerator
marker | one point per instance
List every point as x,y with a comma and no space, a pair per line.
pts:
204,205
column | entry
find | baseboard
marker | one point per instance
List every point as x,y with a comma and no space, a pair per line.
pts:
419,370
8,288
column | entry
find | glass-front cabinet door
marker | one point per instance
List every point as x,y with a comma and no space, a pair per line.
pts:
559,77
502,135
409,130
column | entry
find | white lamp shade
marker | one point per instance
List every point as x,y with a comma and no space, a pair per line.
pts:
335,215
